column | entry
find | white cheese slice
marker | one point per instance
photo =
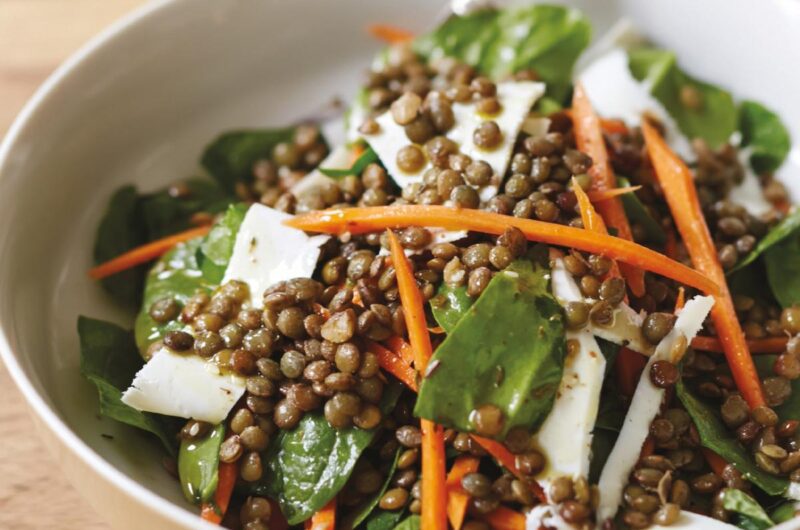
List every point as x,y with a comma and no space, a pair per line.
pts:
615,93
267,252
749,193
516,99
546,516
186,386
694,521
339,158
644,407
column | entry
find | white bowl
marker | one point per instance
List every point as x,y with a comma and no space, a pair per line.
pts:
139,102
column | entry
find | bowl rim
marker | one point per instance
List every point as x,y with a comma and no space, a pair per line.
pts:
36,403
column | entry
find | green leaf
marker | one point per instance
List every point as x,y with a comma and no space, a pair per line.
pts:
782,263
110,361
507,350
778,233
307,466
716,117
365,509
198,465
230,158
164,214
610,414
383,520
217,247
715,436
367,157
545,38
412,522
638,213
449,305
765,135
744,505
784,512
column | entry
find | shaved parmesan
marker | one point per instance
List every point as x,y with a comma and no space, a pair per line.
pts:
546,516
694,521
748,192
339,158
644,407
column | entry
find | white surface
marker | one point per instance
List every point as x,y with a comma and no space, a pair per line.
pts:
338,158
644,406
748,193
185,386
138,104
694,521
267,252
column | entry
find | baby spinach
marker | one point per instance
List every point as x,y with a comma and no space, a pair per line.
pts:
217,248
545,38
784,512
367,157
749,513
365,509
198,465
715,436
383,520
765,135
412,522
788,226
638,213
782,263
307,466
230,158
110,361
449,305
507,350
715,117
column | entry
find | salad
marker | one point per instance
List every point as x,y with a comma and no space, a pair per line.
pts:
523,283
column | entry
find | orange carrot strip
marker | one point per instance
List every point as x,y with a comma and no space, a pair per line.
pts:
401,348
436,330
681,195
213,512
375,218
604,195
715,462
434,490
389,34
503,518
589,139
629,365
680,301
591,219
648,448
145,253
457,498
768,345
613,126
501,453
325,518
356,152
395,365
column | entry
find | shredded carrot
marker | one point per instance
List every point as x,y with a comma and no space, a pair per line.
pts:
434,490
145,253
680,301
715,462
589,139
503,518
457,498
325,518
591,219
375,218
213,512
395,365
356,151
401,348
768,345
604,195
390,34
612,126
671,245
436,330
681,195
629,365
501,453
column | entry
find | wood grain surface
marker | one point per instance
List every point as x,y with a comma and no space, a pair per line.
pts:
35,37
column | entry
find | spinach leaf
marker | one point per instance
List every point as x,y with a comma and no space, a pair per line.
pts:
164,214
715,436
788,226
782,263
198,465
747,508
449,305
307,466
638,213
367,157
230,158
610,415
714,119
383,520
413,522
507,350
765,135
784,512
110,361
217,248
362,512
545,38
176,275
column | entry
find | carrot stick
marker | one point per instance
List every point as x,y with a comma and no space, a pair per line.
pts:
604,195
213,512
371,219
434,491
400,347
613,126
457,498
389,34
503,518
591,219
325,518
145,253
589,138
681,195
680,301
395,365
768,345
501,453
715,462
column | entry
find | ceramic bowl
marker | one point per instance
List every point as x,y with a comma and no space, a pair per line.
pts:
139,102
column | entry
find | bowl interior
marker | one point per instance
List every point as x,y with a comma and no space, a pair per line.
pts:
140,106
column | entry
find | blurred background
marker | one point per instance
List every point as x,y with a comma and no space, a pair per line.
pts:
35,37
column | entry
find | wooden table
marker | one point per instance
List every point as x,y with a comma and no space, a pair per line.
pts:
35,36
